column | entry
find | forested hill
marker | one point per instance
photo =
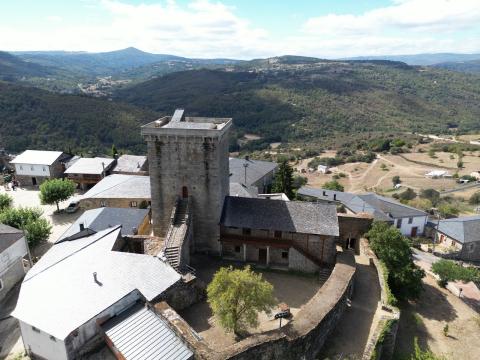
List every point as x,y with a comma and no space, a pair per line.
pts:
38,119
14,68
284,100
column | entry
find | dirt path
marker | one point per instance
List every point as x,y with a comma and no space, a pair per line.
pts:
350,336
426,319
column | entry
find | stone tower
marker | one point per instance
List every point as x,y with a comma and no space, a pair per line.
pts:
188,157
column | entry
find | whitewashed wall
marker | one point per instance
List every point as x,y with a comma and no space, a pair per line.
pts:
406,228
41,344
32,170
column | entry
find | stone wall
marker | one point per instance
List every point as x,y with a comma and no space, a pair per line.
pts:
298,262
353,226
302,338
93,203
382,342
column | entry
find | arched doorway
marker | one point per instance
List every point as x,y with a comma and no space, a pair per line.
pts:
184,192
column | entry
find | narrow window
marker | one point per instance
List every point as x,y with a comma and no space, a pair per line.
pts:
399,223
133,204
277,234
1,284
410,220
21,167
31,168
103,203
237,249
284,254
44,169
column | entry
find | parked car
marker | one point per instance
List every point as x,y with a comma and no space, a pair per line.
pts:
72,207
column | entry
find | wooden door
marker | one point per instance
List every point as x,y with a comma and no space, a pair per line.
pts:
262,256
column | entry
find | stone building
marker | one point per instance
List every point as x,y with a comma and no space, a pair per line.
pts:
131,165
283,234
188,158
120,191
252,173
87,172
32,167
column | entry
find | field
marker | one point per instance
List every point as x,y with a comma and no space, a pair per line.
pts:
411,167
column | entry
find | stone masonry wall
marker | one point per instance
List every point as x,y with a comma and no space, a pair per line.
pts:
302,338
200,164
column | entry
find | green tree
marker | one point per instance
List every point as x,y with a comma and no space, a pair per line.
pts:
114,151
299,181
283,182
404,277
333,185
475,198
449,270
37,228
396,180
408,194
448,210
432,195
56,190
236,296
5,201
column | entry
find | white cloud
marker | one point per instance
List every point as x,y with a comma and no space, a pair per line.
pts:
208,28
54,18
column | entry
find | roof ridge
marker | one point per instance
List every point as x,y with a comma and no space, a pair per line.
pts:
111,187
73,253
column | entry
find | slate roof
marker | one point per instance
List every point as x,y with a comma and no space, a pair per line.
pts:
59,294
292,216
140,334
237,189
37,157
121,186
463,229
382,208
106,217
255,171
8,236
130,163
91,166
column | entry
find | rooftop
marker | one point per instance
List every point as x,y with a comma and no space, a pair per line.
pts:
463,229
292,216
130,163
106,217
8,236
121,186
382,208
179,124
59,293
92,166
37,157
237,189
256,169
139,333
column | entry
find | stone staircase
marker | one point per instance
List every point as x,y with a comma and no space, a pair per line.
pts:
324,274
176,235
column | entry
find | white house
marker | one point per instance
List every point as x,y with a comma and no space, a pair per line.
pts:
32,167
410,221
13,251
436,174
322,169
80,284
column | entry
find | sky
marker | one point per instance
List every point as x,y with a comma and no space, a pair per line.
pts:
243,29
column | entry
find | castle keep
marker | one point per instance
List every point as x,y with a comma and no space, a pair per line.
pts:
188,159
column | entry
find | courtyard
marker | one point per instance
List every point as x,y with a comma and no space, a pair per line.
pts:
292,289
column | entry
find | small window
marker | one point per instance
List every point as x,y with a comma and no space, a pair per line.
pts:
1,284
399,223
237,249
35,329
44,169
103,203
133,204
277,234
410,220
31,168
284,254
471,247
247,231
21,167
53,338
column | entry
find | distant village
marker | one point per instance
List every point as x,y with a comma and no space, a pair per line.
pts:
127,273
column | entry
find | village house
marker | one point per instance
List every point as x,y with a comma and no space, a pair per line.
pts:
120,191
131,165
410,221
32,167
459,235
250,172
82,289
89,171
133,221
13,258
282,234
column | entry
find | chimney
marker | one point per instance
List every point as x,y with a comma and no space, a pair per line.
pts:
334,196
82,227
247,158
95,277
134,231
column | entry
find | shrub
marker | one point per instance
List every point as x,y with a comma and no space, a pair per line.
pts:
430,194
475,199
5,201
448,210
333,185
408,194
396,180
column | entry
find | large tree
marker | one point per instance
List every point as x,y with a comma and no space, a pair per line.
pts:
404,277
283,182
236,296
56,190
37,228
